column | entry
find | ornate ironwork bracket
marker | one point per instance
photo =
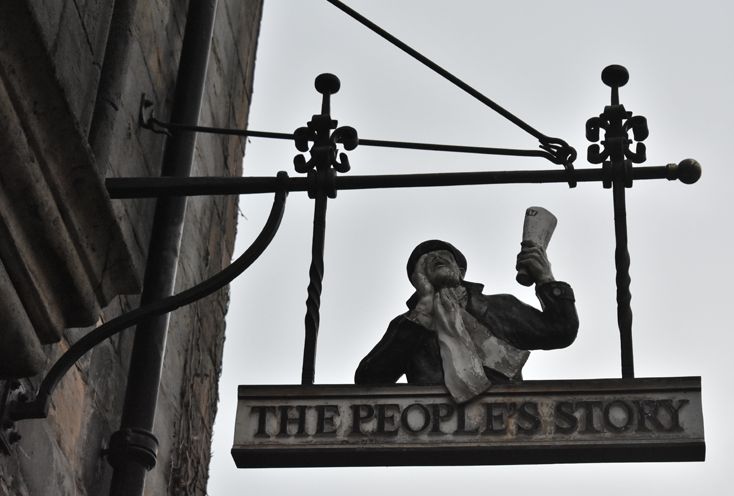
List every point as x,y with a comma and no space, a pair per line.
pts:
616,172
20,407
322,182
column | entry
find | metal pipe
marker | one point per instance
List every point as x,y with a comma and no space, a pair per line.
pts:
132,448
144,187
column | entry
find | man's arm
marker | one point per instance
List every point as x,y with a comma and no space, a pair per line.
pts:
523,326
526,327
390,358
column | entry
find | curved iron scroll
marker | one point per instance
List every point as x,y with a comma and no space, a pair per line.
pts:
38,408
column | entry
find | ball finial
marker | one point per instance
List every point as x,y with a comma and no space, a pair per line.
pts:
689,171
615,76
327,84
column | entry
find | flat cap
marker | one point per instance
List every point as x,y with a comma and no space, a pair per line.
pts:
434,245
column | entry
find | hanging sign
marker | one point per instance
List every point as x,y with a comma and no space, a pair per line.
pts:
604,420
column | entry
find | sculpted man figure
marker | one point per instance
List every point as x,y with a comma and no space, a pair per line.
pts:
453,334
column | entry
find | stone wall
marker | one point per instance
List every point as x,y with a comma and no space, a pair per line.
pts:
74,125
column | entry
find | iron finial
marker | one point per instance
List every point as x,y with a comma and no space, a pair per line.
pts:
615,76
318,130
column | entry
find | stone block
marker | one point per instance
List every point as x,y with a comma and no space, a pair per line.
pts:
87,406
21,354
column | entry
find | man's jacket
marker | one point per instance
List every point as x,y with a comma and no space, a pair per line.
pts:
409,348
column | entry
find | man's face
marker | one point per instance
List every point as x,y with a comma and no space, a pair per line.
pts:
441,269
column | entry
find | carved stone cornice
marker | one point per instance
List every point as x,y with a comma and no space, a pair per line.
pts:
61,246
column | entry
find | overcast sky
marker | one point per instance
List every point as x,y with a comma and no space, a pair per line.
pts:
542,61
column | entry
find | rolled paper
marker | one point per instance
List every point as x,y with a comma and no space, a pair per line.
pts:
538,227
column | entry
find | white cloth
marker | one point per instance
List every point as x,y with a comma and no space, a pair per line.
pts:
466,346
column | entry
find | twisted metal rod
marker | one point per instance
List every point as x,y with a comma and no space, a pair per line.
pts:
313,302
623,279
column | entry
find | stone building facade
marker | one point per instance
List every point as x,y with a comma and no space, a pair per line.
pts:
72,73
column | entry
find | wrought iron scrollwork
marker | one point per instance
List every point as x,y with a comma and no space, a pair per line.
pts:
616,122
324,150
614,152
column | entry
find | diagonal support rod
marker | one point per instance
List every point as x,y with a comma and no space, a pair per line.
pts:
562,152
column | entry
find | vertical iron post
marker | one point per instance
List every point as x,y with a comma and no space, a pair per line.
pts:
313,302
133,449
622,264
321,168
617,159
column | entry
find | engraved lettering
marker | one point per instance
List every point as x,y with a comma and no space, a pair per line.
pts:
461,421
404,418
564,411
322,418
610,417
496,424
438,417
644,416
529,411
674,413
382,417
262,419
358,418
573,418
286,419
589,416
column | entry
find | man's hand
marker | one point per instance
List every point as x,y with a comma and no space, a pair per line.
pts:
423,311
533,258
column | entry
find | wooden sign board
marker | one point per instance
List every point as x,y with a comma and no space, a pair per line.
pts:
605,420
